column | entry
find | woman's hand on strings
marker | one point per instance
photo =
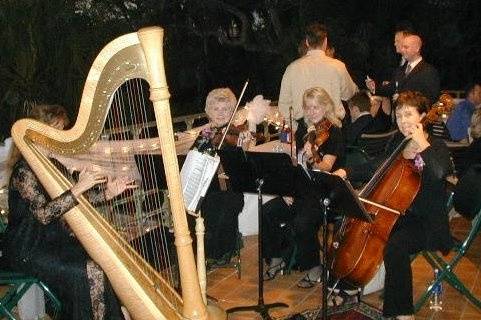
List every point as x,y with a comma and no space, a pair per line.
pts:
116,186
410,150
87,179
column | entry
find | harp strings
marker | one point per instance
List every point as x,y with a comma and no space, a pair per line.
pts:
137,213
160,240
153,202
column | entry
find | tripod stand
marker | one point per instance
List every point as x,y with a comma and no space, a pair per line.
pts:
341,198
258,172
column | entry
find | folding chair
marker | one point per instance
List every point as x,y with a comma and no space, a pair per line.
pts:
353,156
374,144
18,284
467,201
459,155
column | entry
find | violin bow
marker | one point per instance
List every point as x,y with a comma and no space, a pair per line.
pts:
233,113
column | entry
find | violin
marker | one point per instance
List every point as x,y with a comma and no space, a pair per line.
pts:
231,137
317,137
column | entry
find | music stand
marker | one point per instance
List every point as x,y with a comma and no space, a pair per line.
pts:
259,172
338,196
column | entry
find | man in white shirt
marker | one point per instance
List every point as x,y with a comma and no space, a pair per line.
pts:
315,69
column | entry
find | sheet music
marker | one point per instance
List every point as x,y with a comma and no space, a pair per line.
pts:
196,175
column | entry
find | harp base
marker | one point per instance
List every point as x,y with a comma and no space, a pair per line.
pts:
215,312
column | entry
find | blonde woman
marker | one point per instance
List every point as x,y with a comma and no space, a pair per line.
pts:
301,213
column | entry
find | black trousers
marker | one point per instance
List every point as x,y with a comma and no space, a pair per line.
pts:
221,210
407,238
304,216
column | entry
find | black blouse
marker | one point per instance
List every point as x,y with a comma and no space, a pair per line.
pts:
333,146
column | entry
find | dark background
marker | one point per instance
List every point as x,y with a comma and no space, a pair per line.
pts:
47,47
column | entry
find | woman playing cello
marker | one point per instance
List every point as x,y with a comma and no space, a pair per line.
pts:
301,213
425,224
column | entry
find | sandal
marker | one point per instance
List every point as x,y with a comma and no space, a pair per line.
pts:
272,271
341,297
307,282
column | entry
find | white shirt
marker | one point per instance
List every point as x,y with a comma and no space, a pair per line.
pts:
315,69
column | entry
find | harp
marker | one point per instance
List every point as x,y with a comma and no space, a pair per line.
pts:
142,288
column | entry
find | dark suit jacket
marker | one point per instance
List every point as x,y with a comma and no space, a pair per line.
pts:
423,78
354,130
365,124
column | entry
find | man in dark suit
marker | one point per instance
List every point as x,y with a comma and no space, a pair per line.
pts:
414,75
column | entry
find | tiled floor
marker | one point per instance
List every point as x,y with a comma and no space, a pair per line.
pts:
224,285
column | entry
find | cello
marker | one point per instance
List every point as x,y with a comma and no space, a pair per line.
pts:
358,249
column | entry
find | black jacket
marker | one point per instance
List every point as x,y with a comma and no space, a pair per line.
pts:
423,78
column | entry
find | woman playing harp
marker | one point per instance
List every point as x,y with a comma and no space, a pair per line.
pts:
39,243
113,99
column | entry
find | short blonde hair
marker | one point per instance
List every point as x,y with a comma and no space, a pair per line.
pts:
476,124
220,95
322,99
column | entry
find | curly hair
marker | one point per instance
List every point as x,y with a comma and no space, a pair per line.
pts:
413,99
220,95
46,113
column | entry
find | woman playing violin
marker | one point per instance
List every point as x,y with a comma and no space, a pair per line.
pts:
221,208
301,213
319,131
425,224
219,106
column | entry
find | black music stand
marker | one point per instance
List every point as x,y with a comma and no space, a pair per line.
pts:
338,196
259,172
